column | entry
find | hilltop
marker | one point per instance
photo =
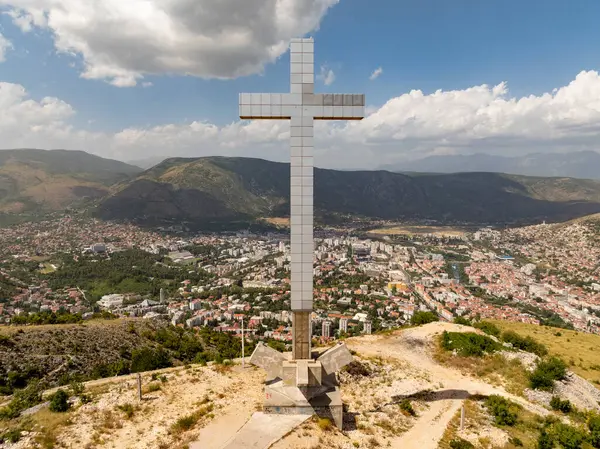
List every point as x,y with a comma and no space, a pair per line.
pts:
214,189
399,393
44,181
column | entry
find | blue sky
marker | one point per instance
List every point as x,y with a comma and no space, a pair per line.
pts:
534,46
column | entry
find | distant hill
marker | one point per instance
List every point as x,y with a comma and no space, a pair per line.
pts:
147,162
39,180
582,164
223,189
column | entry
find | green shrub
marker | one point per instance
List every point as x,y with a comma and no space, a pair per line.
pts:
407,407
420,318
528,344
515,441
594,426
22,400
569,437
77,388
488,328
468,343
103,370
59,402
11,436
148,359
546,372
459,443
185,423
505,412
152,387
462,320
324,424
545,440
127,409
559,405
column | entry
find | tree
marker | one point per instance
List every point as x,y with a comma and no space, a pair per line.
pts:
420,318
59,402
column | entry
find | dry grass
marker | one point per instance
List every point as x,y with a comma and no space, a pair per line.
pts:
185,423
494,369
578,349
48,424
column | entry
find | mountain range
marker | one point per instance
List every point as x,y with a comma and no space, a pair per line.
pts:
220,190
582,164
44,181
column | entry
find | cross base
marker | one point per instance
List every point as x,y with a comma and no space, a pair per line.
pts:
287,400
305,385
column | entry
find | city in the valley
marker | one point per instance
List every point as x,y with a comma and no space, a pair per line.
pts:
69,269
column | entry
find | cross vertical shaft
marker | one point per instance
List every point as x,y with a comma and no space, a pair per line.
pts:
302,106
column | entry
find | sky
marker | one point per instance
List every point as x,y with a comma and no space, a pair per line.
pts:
144,79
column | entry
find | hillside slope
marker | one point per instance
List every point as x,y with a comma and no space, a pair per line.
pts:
203,406
219,188
42,181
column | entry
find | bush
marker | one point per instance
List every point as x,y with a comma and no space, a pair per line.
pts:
22,400
10,436
459,443
528,344
545,441
407,407
546,372
594,426
324,424
462,320
59,402
187,422
488,328
468,343
148,359
559,405
569,437
515,441
152,387
127,409
77,388
420,318
357,369
505,412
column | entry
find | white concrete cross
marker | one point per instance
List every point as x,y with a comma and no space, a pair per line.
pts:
302,106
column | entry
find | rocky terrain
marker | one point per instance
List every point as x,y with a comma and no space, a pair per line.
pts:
195,406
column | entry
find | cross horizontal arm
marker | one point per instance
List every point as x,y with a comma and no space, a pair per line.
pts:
318,106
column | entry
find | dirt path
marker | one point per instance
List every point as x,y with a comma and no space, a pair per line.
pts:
449,388
430,427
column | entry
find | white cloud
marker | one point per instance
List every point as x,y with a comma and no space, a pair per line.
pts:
378,71
478,119
327,76
5,45
121,41
147,84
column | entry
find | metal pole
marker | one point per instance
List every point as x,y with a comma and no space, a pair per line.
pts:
139,386
243,358
462,417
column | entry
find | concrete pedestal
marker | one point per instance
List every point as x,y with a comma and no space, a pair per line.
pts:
325,402
303,386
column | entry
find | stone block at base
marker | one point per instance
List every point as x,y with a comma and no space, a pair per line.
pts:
283,400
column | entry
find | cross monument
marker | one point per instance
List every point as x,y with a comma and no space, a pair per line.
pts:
302,106
302,385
